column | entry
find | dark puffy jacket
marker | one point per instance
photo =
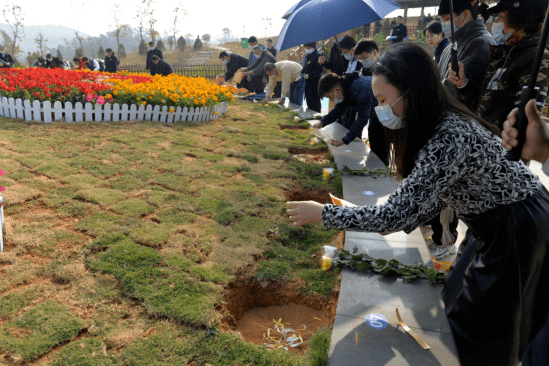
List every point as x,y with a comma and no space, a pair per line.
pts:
337,63
509,70
150,66
311,66
111,63
7,60
54,63
235,62
163,68
473,41
358,94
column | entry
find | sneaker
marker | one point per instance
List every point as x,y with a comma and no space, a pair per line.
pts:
439,252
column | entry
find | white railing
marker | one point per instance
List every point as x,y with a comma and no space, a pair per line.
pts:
36,111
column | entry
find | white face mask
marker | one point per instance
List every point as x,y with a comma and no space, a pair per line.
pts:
309,50
151,48
339,100
387,117
447,27
348,56
497,32
225,61
367,63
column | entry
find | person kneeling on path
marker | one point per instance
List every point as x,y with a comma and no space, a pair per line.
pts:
288,72
347,90
161,67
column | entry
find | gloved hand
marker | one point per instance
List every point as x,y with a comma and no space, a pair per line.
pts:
305,212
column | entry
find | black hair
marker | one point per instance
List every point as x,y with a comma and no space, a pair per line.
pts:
366,45
48,55
327,83
109,50
84,58
252,39
347,43
269,66
435,27
41,59
223,54
310,45
413,72
155,57
400,16
270,40
74,59
151,44
526,19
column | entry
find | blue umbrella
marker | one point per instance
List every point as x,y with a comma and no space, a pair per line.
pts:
322,19
294,8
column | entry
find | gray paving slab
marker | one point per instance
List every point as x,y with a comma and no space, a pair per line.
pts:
355,343
367,293
414,238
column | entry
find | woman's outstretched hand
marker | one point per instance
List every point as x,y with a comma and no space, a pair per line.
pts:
305,212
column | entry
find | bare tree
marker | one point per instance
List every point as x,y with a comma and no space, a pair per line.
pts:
80,40
91,43
179,13
206,37
13,14
140,17
118,26
40,42
151,21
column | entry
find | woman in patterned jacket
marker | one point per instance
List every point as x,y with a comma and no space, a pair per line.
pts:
496,296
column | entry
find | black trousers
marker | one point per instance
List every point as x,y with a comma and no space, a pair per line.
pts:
311,94
258,86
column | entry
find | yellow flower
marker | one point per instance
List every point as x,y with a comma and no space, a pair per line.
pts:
326,174
115,92
326,263
138,98
144,103
217,113
172,110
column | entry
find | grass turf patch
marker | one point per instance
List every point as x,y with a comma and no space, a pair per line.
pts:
38,330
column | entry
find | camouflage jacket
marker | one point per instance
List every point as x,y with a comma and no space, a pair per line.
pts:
508,72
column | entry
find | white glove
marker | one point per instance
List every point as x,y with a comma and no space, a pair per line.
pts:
305,212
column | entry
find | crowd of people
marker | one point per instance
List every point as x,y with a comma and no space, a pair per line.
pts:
439,130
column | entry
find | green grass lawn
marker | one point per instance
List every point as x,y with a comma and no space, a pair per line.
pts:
121,238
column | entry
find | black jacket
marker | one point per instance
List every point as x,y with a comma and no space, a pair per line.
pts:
272,50
111,63
235,62
312,67
163,68
150,54
473,42
509,70
7,60
54,63
400,32
358,94
337,63
440,48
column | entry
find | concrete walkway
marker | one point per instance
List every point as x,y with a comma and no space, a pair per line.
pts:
420,304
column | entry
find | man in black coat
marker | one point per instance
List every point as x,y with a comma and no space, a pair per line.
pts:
111,61
5,58
311,72
161,67
270,47
53,62
233,62
399,31
150,53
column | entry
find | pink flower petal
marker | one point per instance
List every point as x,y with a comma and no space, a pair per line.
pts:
2,189
2,172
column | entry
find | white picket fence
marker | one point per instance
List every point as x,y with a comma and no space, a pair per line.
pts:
44,111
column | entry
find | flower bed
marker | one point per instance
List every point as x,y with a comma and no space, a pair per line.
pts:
176,93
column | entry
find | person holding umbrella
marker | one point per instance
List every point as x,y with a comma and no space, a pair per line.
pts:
473,44
496,295
520,23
